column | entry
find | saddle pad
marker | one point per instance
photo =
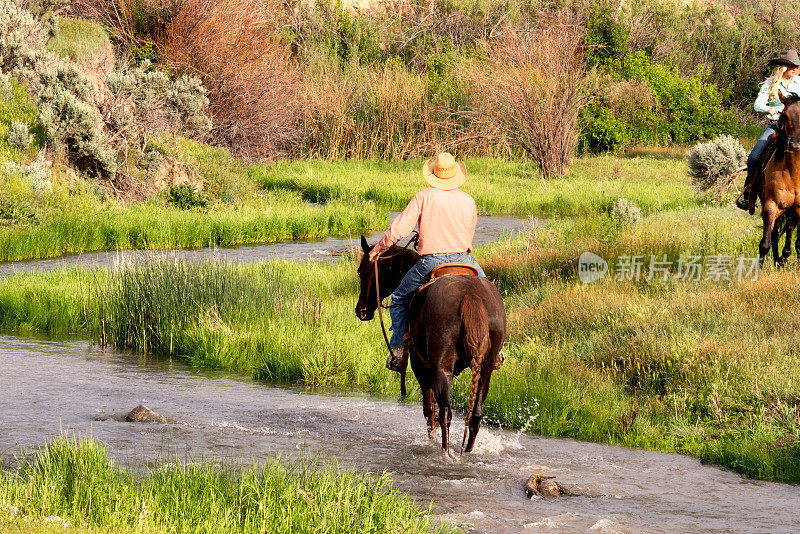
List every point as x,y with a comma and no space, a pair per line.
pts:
453,268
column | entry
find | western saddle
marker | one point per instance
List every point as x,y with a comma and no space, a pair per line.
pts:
446,269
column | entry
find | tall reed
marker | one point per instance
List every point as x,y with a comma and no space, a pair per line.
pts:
155,306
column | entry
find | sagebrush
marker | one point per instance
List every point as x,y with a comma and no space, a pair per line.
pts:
714,164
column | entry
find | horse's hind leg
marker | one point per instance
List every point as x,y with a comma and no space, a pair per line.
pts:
477,410
787,247
775,238
768,214
441,389
428,399
428,409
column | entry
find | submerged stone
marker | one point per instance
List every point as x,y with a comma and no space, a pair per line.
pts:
543,486
143,414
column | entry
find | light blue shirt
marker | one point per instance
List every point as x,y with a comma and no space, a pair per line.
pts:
763,103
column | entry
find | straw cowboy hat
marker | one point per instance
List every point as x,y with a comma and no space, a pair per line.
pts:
786,57
442,172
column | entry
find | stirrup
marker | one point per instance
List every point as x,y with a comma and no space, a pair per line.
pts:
743,202
395,360
500,360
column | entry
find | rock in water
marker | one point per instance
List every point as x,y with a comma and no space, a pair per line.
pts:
549,488
143,414
542,486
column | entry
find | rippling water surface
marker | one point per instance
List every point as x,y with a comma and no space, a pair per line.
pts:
51,385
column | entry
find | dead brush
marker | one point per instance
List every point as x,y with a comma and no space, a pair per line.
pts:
130,23
531,87
365,112
232,46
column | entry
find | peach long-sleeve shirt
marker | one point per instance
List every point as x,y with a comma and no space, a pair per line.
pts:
446,222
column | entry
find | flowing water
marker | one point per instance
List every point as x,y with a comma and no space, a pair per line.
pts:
488,230
47,386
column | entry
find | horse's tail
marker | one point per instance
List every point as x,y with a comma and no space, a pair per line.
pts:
475,325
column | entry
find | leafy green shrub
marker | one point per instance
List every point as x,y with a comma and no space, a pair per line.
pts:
625,212
712,164
647,103
19,136
605,38
185,196
71,121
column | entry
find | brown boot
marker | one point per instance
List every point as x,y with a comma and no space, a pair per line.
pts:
395,360
743,202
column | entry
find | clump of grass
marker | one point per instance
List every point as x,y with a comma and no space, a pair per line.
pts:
157,306
75,479
78,39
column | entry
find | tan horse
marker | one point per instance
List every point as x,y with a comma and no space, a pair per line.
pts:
781,193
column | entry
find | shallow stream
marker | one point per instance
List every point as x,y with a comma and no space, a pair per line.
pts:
53,385
488,230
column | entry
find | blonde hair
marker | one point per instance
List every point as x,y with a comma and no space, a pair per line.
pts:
777,74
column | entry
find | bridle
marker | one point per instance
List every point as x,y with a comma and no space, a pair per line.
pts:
414,239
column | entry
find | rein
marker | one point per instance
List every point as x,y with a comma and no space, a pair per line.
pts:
414,239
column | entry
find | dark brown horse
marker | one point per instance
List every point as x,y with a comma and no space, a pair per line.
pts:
784,225
456,323
781,192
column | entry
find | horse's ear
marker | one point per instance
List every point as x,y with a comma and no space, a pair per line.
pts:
364,245
783,100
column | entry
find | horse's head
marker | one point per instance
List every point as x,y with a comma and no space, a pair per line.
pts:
393,265
367,299
789,123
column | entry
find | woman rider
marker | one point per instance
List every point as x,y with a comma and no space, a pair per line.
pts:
784,81
447,217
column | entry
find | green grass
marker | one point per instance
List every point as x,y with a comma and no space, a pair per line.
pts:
500,187
268,203
74,479
707,369
152,226
67,219
21,107
78,39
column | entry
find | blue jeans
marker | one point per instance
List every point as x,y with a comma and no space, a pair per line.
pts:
758,151
418,275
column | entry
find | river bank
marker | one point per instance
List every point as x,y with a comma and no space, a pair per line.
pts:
311,199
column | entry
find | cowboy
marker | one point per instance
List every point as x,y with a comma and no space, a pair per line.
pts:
782,81
447,217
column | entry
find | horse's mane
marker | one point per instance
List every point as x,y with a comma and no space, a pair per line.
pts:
783,139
